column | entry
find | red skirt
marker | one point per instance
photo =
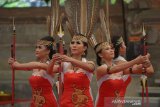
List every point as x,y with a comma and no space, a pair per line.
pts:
76,91
42,93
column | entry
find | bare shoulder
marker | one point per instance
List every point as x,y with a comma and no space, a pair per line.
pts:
38,64
100,68
100,71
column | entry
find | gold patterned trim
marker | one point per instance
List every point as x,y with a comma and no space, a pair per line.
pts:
117,98
79,99
44,42
81,38
38,99
102,45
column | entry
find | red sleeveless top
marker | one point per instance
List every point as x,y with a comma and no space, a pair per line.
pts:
127,79
112,88
76,91
42,94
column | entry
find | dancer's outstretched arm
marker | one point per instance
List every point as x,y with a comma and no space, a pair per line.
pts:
27,66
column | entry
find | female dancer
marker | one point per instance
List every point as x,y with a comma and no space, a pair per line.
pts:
109,75
119,54
77,74
41,80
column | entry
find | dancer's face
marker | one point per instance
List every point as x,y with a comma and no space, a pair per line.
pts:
107,53
41,51
77,47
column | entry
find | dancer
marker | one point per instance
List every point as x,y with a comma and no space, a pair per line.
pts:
110,76
77,74
41,80
119,54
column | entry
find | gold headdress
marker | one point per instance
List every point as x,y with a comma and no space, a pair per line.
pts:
80,37
101,46
44,42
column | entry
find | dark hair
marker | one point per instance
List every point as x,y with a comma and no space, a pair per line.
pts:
49,47
86,51
116,46
98,58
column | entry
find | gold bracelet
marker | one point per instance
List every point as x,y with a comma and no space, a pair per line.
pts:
131,70
92,65
108,69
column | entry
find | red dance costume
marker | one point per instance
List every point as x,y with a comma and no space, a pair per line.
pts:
77,92
126,78
42,94
111,88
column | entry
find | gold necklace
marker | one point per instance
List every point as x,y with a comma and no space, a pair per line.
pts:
75,68
44,61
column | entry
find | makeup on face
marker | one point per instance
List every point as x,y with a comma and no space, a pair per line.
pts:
108,48
76,42
39,47
107,52
79,38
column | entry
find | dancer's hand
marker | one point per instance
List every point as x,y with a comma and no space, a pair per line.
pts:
11,61
55,57
61,58
64,58
147,64
141,59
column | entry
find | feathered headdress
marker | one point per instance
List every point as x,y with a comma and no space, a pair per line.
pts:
103,32
82,16
54,20
54,16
